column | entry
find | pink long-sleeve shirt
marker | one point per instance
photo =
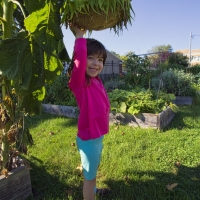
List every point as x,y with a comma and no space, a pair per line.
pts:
92,99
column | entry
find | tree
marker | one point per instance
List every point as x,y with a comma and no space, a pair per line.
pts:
138,72
159,54
179,59
124,59
160,48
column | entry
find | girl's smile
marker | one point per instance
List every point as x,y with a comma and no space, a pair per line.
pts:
94,65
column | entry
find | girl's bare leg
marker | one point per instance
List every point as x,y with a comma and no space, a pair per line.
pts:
88,189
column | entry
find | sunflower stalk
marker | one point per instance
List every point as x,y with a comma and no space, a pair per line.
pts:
17,3
6,86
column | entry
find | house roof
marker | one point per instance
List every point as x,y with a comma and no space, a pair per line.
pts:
112,55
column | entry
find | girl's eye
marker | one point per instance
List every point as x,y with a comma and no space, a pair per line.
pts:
90,57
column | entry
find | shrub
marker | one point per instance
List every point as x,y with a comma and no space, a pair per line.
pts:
194,69
58,92
178,59
176,66
176,82
113,84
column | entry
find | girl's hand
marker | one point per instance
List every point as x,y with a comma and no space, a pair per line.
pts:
78,33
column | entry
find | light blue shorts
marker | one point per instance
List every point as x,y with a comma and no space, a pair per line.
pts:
90,152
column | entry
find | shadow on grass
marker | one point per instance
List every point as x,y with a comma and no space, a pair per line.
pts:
179,120
46,186
188,180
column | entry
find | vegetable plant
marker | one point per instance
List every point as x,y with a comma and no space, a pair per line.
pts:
140,101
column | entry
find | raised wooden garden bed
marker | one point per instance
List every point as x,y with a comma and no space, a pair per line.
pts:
144,120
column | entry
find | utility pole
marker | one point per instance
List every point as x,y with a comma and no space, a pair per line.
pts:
190,48
190,44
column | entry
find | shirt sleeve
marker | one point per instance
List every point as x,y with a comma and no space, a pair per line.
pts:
80,61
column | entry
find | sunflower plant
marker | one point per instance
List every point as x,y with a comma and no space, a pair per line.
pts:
31,55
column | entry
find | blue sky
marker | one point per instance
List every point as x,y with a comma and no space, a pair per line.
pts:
156,22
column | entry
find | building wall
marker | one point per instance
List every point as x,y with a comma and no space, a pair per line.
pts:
195,55
113,65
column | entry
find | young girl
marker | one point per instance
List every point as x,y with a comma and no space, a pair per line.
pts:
93,123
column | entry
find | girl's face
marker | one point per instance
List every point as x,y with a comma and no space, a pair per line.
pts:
94,65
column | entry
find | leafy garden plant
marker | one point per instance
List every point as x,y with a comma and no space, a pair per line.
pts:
140,101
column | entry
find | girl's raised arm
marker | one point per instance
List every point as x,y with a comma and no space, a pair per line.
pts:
79,58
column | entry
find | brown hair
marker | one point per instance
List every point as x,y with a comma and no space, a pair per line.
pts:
93,47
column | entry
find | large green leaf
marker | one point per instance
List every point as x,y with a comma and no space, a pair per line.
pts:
32,6
114,105
24,62
122,107
22,57
16,59
133,110
62,51
44,25
32,58
31,103
35,5
52,66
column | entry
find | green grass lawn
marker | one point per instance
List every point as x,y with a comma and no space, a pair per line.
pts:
137,164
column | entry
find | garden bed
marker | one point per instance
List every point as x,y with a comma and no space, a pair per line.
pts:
144,120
